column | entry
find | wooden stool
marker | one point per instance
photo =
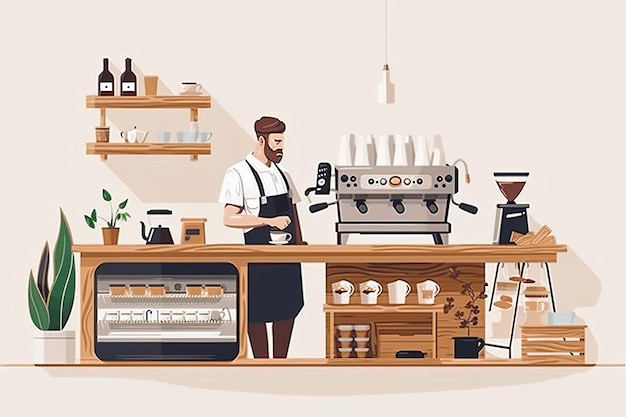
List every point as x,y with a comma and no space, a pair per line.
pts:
554,344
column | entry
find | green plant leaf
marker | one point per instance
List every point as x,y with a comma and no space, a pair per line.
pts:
42,274
94,216
37,305
90,222
61,298
123,204
106,195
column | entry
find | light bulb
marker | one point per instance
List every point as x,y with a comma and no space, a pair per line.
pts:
386,89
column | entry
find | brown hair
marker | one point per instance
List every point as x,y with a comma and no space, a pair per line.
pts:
267,125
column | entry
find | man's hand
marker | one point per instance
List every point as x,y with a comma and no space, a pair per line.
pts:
279,222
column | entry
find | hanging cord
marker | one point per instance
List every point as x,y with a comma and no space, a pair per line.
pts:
385,33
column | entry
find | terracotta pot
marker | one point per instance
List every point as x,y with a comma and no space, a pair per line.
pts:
110,235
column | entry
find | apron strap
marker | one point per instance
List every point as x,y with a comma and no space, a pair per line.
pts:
257,179
284,178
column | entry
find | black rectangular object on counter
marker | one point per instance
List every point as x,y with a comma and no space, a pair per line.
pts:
410,354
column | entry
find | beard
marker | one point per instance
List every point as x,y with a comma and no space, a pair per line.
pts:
273,155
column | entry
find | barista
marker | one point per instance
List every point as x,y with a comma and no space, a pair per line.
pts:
258,196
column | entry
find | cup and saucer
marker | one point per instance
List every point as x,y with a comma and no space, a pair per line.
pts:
279,237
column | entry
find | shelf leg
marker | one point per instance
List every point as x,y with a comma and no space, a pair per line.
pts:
193,157
103,117
193,115
103,157
434,330
331,333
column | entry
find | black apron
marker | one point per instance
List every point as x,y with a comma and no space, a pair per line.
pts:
274,290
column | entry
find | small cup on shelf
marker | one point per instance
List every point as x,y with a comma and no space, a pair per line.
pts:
102,134
345,352
361,352
163,137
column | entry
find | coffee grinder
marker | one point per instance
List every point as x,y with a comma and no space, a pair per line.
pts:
510,217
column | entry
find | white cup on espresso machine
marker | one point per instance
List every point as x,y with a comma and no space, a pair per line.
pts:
370,290
342,290
398,291
426,292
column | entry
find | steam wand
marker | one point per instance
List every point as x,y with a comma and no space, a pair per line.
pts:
467,175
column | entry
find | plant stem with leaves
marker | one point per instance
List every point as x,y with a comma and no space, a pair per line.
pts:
93,217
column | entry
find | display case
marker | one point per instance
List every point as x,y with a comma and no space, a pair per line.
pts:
166,311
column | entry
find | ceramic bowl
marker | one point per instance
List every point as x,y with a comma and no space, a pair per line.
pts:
190,137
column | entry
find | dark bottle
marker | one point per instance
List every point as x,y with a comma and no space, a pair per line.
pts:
128,80
105,80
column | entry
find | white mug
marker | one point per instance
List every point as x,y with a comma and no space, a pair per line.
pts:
220,315
370,290
398,290
426,292
342,290
190,87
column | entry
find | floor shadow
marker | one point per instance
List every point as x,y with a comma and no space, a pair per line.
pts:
175,178
325,381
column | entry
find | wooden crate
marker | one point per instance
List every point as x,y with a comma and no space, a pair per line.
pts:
558,344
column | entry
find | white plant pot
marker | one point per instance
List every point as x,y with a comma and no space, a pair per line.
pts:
54,346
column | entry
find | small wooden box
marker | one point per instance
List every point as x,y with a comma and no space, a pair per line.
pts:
557,344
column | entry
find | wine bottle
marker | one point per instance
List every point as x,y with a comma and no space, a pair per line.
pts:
105,80
128,80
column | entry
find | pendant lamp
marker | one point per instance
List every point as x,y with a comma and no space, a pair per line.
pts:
386,89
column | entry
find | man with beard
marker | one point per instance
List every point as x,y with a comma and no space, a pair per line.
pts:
258,196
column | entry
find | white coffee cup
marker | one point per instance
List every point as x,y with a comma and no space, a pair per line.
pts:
220,314
279,236
426,292
190,87
398,290
370,290
163,136
342,290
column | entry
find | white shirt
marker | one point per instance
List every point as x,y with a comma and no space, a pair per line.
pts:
240,188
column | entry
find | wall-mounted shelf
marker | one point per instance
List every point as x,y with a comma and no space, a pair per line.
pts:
191,149
193,103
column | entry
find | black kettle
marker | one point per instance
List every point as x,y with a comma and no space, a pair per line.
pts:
159,234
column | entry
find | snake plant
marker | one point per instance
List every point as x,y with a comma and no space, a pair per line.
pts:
50,307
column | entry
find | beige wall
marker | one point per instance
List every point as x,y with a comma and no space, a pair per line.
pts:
530,85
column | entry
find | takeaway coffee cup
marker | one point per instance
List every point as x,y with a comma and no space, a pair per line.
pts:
426,292
342,290
370,290
398,290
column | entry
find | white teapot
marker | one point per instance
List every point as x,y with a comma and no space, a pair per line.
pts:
134,135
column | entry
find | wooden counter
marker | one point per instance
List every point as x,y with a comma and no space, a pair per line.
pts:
384,262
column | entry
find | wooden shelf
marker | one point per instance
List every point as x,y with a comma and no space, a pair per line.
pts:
193,149
148,102
379,308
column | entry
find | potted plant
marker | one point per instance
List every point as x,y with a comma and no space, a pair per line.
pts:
110,234
50,305
466,346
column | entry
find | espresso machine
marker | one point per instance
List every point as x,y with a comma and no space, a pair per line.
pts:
390,199
510,217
